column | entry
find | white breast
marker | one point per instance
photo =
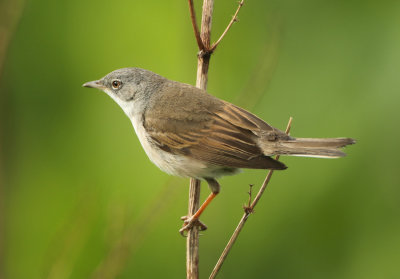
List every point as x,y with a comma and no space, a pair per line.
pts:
172,164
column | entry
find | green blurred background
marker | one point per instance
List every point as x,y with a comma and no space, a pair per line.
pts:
80,199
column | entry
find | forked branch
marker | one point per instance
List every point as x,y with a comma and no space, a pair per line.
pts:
248,210
233,20
203,47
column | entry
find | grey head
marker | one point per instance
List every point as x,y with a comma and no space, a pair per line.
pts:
129,87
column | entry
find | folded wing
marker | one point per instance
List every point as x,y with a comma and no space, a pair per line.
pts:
221,134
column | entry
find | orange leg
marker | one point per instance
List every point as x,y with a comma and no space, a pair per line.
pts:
189,222
204,205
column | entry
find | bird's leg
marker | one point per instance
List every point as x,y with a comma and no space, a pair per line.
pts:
193,220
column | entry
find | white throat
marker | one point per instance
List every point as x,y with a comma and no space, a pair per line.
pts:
131,109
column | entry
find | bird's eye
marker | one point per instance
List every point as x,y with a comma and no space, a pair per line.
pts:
116,84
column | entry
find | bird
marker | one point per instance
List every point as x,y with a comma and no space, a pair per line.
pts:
187,132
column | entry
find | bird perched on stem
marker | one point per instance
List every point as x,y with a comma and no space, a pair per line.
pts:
187,132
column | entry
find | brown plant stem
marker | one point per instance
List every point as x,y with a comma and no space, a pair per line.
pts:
233,20
203,61
203,39
194,24
192,240
246,215
204,45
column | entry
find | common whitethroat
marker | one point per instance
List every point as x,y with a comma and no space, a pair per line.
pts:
187,132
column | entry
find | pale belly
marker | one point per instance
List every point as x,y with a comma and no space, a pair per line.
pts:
178,165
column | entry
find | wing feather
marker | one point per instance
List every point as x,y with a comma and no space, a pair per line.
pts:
243,119
217,133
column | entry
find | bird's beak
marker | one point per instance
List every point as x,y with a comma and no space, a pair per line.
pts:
94,84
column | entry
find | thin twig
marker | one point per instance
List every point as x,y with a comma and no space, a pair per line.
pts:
234,19
204,45
247,207
264,186
192,242
194,24
245,216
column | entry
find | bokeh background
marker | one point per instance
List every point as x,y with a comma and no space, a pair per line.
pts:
80,199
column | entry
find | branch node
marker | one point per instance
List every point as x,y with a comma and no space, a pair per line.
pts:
247,207
248,210
204,53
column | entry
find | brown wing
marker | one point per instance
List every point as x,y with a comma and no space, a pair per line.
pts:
213,131
230,145
243,119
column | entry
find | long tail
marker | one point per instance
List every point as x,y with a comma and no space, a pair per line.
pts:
313,147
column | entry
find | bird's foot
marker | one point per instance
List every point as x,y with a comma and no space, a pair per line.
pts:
190,222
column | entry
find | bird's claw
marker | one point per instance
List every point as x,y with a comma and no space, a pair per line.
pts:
190,222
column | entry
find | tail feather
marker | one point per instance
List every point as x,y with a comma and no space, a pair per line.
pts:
312,147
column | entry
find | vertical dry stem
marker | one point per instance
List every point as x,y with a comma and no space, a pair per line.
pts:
204,55
192,243
203,39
